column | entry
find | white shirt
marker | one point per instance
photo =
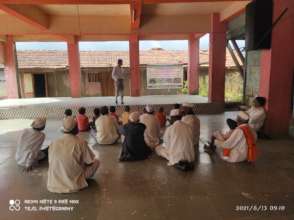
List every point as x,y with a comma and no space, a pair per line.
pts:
29,147
194,122
238,145
178,144
107,130
152,131
118,73
256,117
68,157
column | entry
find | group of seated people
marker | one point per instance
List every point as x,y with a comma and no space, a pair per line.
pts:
174,137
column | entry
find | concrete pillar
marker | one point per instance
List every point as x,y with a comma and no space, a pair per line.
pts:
74,67
276,72
2,48
217,60
134,65
10,68
193,68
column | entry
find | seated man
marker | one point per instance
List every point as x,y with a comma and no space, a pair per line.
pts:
107,128
134,146
257,113
241,145
178,147
71,161
193,121
152,132
28,151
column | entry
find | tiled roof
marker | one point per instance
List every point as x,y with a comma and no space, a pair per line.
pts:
58,59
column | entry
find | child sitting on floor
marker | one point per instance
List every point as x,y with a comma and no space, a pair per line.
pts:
113,114
161,117
124,118
96,115
82,120
67,113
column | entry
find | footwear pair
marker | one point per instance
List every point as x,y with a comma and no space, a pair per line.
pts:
122,103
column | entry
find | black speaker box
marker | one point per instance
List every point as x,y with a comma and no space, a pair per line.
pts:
259,19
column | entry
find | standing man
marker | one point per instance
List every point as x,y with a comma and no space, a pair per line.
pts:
118,75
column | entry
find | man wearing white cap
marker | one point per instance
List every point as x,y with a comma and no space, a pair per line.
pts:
192,120
152,132
28,151
178,146
134,146
71,161
240,146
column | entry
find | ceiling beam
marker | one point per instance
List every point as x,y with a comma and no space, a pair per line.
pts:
234,10
28,14
136,13
40,2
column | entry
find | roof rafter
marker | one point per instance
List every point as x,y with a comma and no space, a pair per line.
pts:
29,14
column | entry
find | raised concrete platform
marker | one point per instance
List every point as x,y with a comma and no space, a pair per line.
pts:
54,107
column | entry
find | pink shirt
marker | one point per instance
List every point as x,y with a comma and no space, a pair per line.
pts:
83,122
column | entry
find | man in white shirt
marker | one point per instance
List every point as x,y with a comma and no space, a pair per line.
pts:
192,120
257,113
152,132
118,75
236,147
107,128
71,161
28,151
178,147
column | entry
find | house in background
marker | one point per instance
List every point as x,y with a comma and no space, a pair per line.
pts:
45,73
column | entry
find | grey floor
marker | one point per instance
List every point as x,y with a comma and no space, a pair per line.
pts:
151,190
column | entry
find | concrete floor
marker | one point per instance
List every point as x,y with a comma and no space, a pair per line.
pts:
151,190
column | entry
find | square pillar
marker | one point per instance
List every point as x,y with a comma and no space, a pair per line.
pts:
276,72
193,68
74,67
10,68
2,48
134,65
217,60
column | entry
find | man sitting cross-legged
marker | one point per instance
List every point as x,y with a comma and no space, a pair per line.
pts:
134,146
152,132
28,152
192,120
178,147
240,145
106,127
71,161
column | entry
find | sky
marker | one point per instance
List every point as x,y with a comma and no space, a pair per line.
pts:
113,45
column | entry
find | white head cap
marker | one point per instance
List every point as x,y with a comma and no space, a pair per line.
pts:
175,112
134,116
189,105
149,109
69,123
243,115
38,123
